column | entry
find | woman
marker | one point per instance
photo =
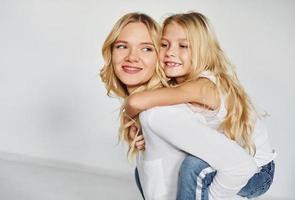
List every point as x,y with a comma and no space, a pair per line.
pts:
130,53
131,61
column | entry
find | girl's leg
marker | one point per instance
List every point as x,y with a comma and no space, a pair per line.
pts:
260,182
138,182
195,176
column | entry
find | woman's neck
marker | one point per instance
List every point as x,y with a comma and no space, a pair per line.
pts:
130,89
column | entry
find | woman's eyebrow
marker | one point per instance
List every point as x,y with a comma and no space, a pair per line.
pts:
142,43
147,43
121,41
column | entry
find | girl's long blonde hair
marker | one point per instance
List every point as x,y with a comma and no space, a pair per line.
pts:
207,55
114,86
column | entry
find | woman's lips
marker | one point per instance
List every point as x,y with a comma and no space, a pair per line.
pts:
131,69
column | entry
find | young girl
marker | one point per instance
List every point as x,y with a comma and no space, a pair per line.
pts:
191,57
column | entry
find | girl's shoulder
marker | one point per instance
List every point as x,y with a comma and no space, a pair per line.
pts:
209,75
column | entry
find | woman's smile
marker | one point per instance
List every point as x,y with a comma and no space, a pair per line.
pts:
131,69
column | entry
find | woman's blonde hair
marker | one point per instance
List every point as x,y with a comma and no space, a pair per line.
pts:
114,86
207,55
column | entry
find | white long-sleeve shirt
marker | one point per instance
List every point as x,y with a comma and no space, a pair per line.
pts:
170,133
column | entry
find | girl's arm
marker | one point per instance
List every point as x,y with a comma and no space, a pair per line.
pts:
202,91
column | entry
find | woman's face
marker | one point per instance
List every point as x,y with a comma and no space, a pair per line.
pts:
134,57
175,53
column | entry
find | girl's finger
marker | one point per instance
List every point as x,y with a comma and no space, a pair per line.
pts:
140,143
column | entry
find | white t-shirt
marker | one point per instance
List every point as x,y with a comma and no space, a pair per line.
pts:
171,132
264,153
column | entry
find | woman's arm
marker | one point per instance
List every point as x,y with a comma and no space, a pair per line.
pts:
180,128
202,91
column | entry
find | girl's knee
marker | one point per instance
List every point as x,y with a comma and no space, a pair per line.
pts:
192,165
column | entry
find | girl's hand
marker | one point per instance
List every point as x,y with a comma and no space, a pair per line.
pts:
140,144
139,139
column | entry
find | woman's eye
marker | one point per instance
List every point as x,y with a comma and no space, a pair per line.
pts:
121,46
147,49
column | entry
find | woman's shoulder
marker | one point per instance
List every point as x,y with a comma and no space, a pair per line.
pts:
166,114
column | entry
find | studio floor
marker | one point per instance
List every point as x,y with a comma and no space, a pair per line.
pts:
30,181
25,181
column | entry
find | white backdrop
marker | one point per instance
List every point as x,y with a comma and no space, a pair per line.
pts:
54,106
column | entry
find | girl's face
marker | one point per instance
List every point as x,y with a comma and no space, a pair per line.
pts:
134,57
175,53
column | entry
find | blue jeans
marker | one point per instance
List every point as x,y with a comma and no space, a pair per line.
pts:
138,182
192,178
196,175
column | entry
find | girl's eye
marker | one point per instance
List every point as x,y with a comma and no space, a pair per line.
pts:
183,46
163,45
121,46
146,49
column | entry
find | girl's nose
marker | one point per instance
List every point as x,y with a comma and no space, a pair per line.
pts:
171,52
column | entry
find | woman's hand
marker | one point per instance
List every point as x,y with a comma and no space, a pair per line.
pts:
139,139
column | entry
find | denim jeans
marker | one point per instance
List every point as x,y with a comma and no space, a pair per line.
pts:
138,182
196,175
192,180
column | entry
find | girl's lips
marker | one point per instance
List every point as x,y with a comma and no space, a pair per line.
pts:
131,69
172,64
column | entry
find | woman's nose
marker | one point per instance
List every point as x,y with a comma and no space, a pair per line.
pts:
132,56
